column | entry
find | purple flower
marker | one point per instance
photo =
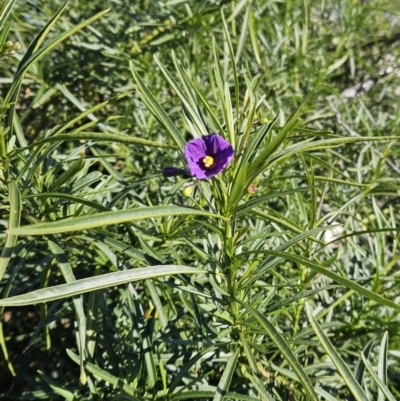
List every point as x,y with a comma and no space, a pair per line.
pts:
208,156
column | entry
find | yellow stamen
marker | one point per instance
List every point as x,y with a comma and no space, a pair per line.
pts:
208,161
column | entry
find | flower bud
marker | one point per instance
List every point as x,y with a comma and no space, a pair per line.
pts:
173,171
252,189
187,192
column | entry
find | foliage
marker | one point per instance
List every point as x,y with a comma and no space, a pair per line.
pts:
276,279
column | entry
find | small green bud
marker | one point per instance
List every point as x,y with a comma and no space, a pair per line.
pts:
188,191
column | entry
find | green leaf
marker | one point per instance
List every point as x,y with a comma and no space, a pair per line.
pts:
382,386
206,392
96,283
285,350
291,299
66,176
258,137
382,365
344,281
33,55
260,387
13,222
189,106
4,350
99,137
323,144
68,274
184,371
105,219
360,366
255,376
258,200
104,375
226,378
157,110
277,140
5,12
233,62
70,198
325,394
342,368
238,188
56,387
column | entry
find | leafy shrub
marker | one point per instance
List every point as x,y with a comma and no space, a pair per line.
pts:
275,279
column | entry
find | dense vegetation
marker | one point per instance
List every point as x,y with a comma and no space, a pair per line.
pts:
275,279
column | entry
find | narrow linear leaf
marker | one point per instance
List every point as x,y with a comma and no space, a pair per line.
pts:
260,387
382,386
344,281
257,138
5,12
96,283
290,300
382,364
13,222
67,175
56,387
284,348
104,375
24,65
186,102
68,274
85,111
157,110
200,95
342,368
279,138
309,146
360,366
105,219
207,392
325,394
36,55
100,137
71,198
323,144
233,62
226,378
255,376
4,350
193,359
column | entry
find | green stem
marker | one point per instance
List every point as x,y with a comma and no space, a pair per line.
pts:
3,155
229,273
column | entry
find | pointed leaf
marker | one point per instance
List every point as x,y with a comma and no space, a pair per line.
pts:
105,219
382,386
284,348
342,368
96,283
382,364
344,281
226,378
157,110
13,222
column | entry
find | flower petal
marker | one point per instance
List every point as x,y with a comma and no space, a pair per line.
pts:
212,145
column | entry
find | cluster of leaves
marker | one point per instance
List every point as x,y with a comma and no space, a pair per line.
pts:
277,279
